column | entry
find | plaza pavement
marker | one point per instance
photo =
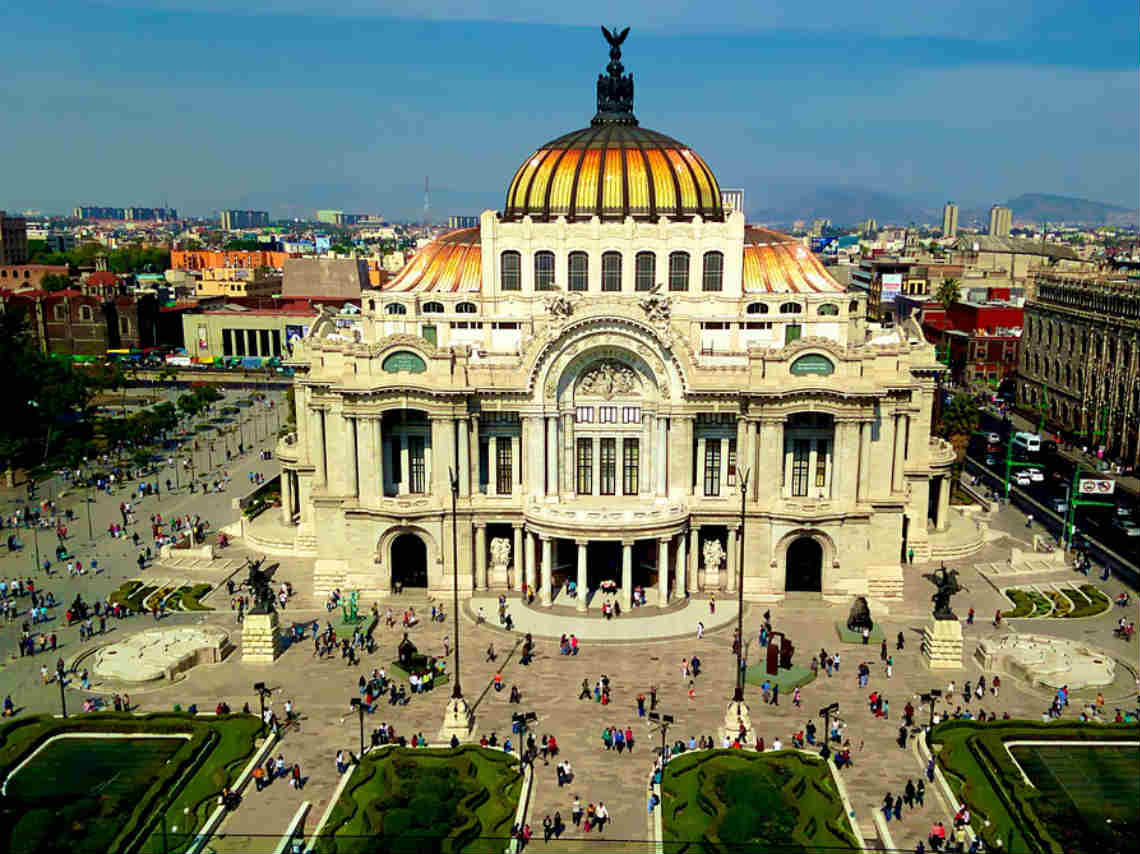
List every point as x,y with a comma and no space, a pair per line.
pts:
321,690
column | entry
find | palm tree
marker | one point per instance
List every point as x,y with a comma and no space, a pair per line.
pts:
949,292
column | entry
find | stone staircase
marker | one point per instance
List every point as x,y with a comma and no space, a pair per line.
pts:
889,589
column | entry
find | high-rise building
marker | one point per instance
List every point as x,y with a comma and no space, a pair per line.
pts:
244,219
1001,221
462,222
98,212
13,240
950,220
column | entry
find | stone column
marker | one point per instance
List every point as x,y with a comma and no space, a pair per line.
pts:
568,464
769,471
286,498
516,466
945,484
492,465
699,480
352,450
627,575
371,461
533,569
661,456
481,555
321,474
733,559
473,452
663,571
442,462
724,443
845,462
694,555
647,447
679,569
898,476
582,588
463,445
864,488
595,465
681,458
552,454
517,556
405,463
534,435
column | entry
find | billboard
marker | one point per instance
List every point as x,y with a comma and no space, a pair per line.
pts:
892,286
1097,486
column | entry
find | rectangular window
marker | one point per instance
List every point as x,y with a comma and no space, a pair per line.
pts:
712,467
679,271
585,485
607,414
611,271
239,342
511,275
645,271
630,465
484,465
579,271
276,342
820,462
631,414
227,343
544,271
801,460
416,464
427,331
503,465
791,333
263,342
607,466
730,475
584,415
252,345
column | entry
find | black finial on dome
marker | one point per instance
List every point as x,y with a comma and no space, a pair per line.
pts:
615,90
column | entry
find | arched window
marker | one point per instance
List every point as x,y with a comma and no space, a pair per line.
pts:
125,325
645,271
372,306
85,313
790,308
828,309
853,308
465,308
544,271
757,308
396,308
712,273
579,275
611,271
433,308
510,271
678,271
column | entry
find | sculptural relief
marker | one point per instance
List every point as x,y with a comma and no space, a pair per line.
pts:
713,553
500,552
608,379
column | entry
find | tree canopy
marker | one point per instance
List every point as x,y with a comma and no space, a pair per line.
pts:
128,259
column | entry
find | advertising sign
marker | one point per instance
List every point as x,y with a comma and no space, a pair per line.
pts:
892,286
1097,486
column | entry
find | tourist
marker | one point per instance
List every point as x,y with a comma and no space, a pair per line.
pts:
576,811
341,764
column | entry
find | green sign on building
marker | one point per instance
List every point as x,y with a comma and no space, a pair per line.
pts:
813,363
404,361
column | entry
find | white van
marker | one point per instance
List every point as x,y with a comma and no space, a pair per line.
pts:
1029,442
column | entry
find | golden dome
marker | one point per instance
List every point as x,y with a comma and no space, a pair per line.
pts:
614,169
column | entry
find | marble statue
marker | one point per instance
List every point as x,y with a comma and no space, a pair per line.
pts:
714,554
500,551
608,379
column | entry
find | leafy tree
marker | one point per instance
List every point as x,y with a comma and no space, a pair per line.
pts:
55,282
949,292
960,419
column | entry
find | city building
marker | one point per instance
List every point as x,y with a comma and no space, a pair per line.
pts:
233,330
326,278
238,282
1012,259
232,220
202,259
341,218
462,222
97,212
1080,359
1001,221
60,241
978,341
13,240
72,323
950,220
149,214
609,364
29,276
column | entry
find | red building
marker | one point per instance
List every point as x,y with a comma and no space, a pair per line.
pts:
979,341
70,322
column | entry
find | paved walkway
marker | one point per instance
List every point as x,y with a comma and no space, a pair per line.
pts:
676,622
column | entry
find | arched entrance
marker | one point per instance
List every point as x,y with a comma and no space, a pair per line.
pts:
804,566
409,561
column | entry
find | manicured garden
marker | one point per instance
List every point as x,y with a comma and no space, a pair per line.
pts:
1080,798
90,793
426,801
140,597
1066,602
732,800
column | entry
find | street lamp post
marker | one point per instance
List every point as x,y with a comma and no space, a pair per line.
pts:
662,722
738,694
36,540
90,528
261,690
931,697
521,719
826,712
62,698
358,704
457,719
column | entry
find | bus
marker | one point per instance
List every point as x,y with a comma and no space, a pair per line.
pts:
1028,442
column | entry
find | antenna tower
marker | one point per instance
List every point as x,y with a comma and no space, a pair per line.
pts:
427,200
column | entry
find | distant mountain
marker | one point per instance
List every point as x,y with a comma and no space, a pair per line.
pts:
842,205
1036,208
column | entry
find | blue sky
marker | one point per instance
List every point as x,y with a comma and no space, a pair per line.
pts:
297,104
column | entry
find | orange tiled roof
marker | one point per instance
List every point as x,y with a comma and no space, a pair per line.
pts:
775,263
453,262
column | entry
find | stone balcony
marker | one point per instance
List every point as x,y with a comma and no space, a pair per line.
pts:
596,519
941,453
287,448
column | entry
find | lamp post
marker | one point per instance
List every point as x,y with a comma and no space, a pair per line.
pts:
36,540
62,698
826,712
358,704
457,719
520,720
738,694
662,722
931,697
262,691
90,528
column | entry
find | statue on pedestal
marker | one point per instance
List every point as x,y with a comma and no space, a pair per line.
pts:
786,651
500,552
946,580
259,589
713,554
406,651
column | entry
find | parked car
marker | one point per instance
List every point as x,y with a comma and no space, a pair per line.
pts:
1060,506
1022,479
1123,510
993,438
1036,475
991,460
1126,527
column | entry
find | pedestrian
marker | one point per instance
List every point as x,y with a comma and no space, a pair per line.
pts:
576,811
712,603
901,642
775,694
909,794
1028,520
341,765
700,630
970,617
920,792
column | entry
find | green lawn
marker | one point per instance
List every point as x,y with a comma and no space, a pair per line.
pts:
1074,790
732,800
105,795
426,801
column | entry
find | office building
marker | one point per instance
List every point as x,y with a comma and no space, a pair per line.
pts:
462,221
232,220
950,220
13,240
1001,221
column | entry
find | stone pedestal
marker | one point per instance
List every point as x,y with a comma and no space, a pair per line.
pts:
734,715
942,644
500,577
260,641
457,721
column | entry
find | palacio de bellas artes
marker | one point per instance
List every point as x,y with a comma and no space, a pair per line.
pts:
614,385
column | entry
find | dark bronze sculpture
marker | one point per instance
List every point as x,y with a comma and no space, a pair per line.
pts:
946,580
787,649
615,90
860,616
259,589
406,651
